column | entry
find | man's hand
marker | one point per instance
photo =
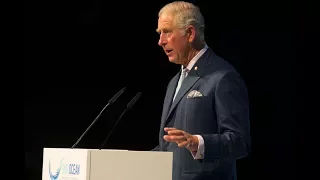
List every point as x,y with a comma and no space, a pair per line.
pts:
182,138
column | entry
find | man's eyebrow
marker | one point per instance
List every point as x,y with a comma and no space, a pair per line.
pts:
158,30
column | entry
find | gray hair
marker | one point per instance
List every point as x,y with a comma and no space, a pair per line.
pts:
185,14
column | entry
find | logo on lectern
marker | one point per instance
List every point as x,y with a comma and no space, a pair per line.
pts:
62,169
54,175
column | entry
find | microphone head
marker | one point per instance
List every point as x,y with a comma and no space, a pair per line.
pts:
134,100
116,96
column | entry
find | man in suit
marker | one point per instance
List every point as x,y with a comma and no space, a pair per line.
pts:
205,118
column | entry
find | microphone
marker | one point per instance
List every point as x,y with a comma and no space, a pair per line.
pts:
129,107
110,102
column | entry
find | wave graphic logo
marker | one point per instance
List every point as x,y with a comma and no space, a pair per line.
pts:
54,175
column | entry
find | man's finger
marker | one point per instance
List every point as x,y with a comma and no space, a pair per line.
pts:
183,144
176,133
178,138
174,138
169,129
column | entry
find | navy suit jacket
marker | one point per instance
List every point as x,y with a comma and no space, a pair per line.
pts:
220,116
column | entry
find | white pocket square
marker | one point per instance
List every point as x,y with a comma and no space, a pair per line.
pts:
194,93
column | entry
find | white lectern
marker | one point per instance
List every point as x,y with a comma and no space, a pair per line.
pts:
95,164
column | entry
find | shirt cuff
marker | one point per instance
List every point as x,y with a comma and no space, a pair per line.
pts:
200,151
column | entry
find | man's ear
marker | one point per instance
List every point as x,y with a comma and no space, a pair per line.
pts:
191,33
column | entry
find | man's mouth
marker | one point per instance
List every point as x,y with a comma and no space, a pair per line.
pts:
168,51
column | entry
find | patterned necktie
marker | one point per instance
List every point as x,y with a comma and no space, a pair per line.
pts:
182,77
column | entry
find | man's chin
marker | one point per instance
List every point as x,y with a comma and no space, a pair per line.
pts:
173,60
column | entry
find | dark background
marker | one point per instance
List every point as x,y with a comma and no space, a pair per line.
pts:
77,55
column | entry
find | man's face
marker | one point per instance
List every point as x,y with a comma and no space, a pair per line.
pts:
173,41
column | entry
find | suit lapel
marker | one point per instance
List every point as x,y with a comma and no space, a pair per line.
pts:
193,76
186,85
169,97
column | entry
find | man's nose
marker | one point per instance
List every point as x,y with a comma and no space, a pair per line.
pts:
161,41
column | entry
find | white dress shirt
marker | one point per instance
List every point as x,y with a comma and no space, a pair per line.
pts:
200,151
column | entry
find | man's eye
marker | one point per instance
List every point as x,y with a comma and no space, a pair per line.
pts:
168,34
165,33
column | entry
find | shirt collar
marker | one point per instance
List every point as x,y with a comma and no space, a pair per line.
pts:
195,59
